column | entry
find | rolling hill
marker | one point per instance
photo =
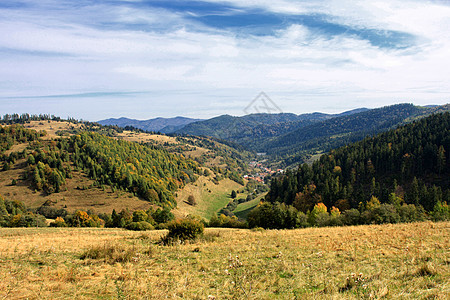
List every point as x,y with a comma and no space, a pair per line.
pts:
67,165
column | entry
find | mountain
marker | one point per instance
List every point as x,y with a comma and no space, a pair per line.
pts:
335,132
296,146
101,168
408,164
252,130
164,125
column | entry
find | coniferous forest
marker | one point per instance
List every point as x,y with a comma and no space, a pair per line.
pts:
402,171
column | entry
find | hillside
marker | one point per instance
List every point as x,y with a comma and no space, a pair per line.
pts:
289,139
71,167
252,130
163,125
329,134
410,164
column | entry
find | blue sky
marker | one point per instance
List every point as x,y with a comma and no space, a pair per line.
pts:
142,59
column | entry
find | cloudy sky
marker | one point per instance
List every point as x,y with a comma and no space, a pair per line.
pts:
94,59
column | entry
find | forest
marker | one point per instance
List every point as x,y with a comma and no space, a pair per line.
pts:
401,171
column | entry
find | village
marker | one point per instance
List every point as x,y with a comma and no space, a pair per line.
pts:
261,172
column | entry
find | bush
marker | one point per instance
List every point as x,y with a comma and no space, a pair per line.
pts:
411,213
184,229
351,217
302,220
139,226
274,216
385,213
226,221
441,211
59,222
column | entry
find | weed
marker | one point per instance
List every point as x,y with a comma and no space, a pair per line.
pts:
241,278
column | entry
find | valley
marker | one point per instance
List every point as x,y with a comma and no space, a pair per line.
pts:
206,170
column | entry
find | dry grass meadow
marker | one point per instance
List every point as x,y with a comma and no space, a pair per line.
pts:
403,261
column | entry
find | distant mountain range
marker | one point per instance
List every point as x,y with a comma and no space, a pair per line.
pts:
213,127
163,125
253,130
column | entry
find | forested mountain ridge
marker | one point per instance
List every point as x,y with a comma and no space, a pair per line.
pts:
323,136
253,130
152,173
163,125
410,164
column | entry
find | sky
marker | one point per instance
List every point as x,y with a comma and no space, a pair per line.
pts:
142,59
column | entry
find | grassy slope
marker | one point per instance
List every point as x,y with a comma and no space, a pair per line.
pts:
404,261
243,209
210,198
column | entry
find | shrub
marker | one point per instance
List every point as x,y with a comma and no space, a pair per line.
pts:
351,217
274,216
59,222
226,221
139,226
385,213
162,215
441,211
184,229
302,220
139,216
319,215
411,213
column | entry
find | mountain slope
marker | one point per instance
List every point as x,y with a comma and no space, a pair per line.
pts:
164,125
252,130
410,164
338,131
87,166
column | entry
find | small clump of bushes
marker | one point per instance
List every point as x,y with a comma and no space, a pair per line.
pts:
183,230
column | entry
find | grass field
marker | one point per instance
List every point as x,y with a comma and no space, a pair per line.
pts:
403,261
210,197
243,209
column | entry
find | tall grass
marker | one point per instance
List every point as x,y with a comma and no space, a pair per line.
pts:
402,261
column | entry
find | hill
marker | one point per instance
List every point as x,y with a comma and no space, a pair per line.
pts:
252,130
163,125
87,180
410,164
289,139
